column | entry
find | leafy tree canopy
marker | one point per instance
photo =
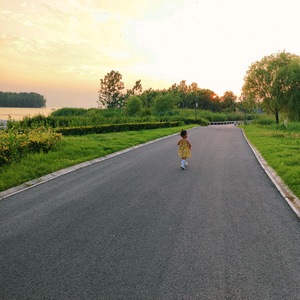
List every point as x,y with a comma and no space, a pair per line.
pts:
274,80
111,93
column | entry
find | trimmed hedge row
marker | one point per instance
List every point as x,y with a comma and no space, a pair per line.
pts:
113,128
81,130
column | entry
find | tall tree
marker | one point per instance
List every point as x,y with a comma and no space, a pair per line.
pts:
193,87
268,80
290,75
183,90
147,97
111,93
136,90
228,99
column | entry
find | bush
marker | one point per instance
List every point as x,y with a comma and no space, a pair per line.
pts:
164,103
67,112
15,143
145,112
133,106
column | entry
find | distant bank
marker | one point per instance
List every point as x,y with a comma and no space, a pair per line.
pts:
17,113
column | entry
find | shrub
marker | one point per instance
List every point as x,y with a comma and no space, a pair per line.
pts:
67,112
145,112
14,143
163,103
133,106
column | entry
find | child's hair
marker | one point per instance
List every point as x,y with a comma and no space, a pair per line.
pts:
183,132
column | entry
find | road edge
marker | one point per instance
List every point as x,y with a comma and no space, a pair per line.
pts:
284,190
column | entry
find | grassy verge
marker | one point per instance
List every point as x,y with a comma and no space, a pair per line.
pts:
281,149
73,150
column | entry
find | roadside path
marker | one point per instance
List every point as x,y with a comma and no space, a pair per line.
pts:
136,226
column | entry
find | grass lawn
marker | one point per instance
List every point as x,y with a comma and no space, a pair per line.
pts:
281,150
73,150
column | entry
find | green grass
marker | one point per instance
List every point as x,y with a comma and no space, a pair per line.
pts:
73,150
281,150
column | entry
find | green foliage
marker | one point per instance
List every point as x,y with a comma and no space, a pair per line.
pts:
113,128
163,103
148,96
289,127
14,143
96,117
264,122
22,100
67,112
275,80
146,112
228,100
133,106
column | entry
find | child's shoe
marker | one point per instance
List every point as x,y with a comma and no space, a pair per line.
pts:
183,168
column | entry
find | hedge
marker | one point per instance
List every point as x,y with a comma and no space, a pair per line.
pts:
81,130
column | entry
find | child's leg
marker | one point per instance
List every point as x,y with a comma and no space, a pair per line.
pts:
183,162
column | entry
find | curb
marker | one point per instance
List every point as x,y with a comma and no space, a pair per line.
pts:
284,190
29,184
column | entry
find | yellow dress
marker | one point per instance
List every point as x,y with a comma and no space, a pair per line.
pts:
184,150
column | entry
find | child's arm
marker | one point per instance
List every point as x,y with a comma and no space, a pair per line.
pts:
178,143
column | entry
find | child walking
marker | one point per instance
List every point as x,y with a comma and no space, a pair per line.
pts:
184,148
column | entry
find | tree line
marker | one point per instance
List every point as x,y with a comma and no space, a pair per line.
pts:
272,84
8,99
112,94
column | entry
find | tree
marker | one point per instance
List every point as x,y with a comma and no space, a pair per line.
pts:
183,90
228,100
193,87
163,103
270,81
111,93
148,96
291,75
136,90
133,105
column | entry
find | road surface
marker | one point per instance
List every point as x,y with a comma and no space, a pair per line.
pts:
136,226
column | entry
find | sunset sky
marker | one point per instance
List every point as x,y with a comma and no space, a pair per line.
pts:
61,48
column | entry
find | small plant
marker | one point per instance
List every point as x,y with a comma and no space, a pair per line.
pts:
15,142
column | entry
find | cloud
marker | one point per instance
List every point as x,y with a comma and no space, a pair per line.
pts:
159,41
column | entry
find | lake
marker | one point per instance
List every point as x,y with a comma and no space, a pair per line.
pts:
17,113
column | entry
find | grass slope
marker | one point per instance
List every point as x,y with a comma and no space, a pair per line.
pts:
281,149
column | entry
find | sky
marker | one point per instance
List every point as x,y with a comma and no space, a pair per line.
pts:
62,48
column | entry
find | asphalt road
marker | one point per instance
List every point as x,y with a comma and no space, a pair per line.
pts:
136,226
